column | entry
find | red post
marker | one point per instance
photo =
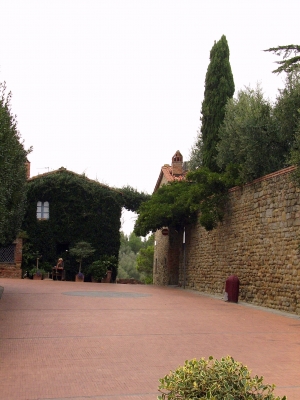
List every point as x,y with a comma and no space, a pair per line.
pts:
232,288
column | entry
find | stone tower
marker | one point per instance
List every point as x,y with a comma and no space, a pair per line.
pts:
177,163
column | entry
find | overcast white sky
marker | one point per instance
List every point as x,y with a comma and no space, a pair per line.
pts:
113,88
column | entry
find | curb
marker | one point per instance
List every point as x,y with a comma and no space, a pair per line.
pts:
245,304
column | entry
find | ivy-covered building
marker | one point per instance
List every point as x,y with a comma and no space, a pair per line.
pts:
64,208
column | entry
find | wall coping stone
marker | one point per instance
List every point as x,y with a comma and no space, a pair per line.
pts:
265,177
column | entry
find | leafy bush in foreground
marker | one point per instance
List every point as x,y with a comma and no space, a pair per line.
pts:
212,379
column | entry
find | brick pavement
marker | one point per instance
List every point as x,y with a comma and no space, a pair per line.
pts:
116,341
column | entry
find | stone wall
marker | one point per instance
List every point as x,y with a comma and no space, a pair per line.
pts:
167,251
258,241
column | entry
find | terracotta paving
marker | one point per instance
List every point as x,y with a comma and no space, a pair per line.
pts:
89,341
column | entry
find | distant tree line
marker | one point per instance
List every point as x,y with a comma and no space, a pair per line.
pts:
136,257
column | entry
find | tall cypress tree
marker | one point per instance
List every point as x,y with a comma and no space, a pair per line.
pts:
219,86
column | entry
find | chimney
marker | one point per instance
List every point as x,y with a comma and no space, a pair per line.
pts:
27,164
177,163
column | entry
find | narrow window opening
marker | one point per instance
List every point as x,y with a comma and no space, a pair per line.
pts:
42,210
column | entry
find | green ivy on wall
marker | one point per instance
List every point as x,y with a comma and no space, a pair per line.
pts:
80,210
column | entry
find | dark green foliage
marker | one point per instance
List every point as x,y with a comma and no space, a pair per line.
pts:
286,110
28,254
196,157
99,268
134,242
80,210
295,154
144,260
111,264
169,206
178,204
223,379
219,87
136,258
250,136
210,192
35,271
12,173
257,136
287,64
80,251
127,256
132,199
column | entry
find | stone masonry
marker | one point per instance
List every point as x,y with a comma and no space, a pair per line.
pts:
258,241
167,251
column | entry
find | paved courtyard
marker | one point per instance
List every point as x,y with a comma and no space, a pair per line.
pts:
89,341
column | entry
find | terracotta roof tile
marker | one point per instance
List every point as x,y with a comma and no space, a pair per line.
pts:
166,171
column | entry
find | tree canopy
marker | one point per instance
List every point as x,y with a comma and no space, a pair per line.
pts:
219,87
131,198
144,261
250,136
135,258
295,154
12,172
290,106
286,109
288,64
169,206
257,135
178,203
129,248
82,250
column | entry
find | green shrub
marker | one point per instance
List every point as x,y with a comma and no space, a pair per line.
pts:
147,280
36,271
223,379
97,270
47,266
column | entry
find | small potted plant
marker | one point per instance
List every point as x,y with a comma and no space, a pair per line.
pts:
79,277
37,273
97,271
80,251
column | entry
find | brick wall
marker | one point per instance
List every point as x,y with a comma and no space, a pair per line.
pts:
13,270
10,270
258,241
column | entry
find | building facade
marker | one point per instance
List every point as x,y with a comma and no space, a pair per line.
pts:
167,241
258,241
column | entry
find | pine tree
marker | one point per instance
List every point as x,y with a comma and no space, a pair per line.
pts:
287,64
219,87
